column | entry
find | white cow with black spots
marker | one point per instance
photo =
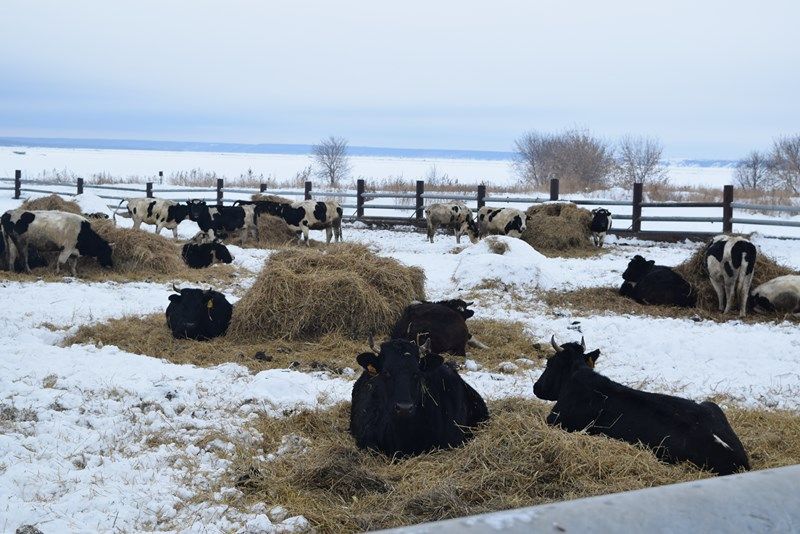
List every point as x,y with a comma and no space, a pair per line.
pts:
731,262
453,214
156,211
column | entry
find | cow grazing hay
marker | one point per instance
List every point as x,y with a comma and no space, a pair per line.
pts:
345,288
273,232
695,272
51,203
560,229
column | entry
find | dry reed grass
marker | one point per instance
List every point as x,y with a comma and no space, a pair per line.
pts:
559,230
51,203
305,293
515,460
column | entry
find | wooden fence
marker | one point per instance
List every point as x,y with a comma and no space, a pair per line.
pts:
365,201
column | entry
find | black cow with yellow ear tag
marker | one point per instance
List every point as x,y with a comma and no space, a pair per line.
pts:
198,314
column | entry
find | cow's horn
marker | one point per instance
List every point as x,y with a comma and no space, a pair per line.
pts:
371,342
554,344
470,303
583,344
175,289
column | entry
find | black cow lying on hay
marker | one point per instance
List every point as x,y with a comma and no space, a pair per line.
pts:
443,322
407,402
675,429
198,314
648,283
204,250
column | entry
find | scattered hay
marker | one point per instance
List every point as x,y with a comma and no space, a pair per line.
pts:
345,288
695,272
51,203
560,229
497,246
507,342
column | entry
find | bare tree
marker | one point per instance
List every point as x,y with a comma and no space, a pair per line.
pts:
785,162
754,172
331,157
576,157
639,161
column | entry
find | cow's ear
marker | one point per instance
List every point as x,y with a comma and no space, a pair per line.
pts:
592,357
651,263
174,298
430,362
369,361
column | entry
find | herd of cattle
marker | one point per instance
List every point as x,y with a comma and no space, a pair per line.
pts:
408,400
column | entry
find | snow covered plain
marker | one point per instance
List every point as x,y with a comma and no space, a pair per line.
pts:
98,439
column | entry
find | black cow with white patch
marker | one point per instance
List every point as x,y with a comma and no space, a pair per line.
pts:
600,225
443,322
305,216
68,233
157,211
781,295
222,220
501,221
648,283
675,429
204,254
731,262
200,314
407,402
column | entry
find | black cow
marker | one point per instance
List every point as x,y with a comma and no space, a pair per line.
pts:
221,220
407,402
200,255
675,429
601,223
443,322
198,314
648,283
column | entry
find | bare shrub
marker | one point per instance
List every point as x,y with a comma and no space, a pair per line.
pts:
785,162
754,172
331,157
639,161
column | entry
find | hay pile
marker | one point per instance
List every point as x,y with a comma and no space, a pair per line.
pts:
559,229
305,293
51,203
695,272
271,198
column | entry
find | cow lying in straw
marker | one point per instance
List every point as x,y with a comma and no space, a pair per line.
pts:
443,323
779,295
198,314
648,283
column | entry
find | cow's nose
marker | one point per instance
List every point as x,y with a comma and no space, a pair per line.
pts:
403,408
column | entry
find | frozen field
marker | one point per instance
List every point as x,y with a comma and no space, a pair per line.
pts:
146,164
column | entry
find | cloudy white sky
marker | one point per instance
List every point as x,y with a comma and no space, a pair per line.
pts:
711,79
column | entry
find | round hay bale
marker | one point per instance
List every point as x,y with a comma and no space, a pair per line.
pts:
558,227
51,203
695,272
138,252
345,288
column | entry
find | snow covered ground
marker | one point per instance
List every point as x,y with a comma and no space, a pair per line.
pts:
98,439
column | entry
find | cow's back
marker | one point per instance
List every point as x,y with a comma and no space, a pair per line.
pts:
444,326
48,229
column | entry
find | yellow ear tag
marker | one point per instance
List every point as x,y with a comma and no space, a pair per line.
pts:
210,304
371,370
590,361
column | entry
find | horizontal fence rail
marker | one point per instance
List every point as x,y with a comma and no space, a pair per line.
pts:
367,203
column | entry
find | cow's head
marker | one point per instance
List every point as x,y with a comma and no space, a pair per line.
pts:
89,243
197,314
197,209
568,358
637,268
460,306
399,367
470,227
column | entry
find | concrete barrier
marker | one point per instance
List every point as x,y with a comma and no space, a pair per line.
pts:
759,501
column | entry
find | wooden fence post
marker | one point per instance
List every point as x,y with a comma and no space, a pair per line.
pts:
419,200
262,187
17,183
636,225
481,196
727,209
360,198
80,186
220,187
553,188
148,189
308,191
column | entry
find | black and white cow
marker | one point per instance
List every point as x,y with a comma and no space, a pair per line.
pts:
8,255
157,211
443,323
601,223
648,283
70,234
675,429
407,402
305,216
198,314
501,221
779,295
200,255
222,220
451,214
731,262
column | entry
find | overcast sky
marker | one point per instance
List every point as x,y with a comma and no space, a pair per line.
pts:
711,79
